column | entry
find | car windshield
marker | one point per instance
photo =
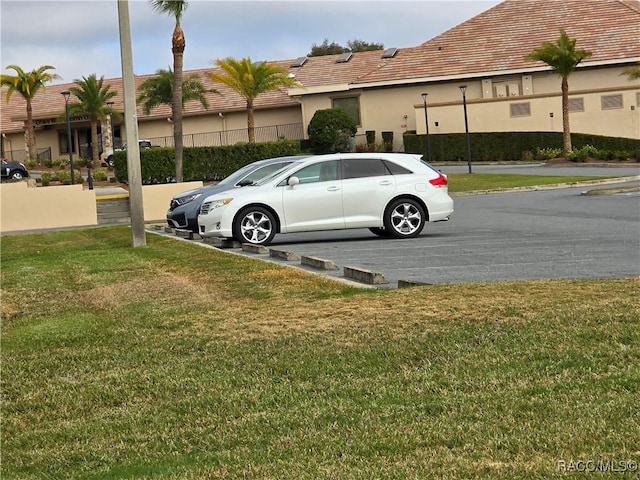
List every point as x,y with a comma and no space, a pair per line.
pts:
266,179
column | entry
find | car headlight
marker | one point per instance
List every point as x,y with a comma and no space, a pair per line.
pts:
186,199
208,206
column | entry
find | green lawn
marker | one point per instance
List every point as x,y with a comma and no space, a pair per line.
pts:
173,361
463,182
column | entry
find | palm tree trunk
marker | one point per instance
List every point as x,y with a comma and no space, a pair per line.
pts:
94,140
250,122
178,46
566,131
31,133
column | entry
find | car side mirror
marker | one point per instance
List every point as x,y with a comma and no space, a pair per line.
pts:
293,181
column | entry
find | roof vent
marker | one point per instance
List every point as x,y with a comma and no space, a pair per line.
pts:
344,57
299,62
389,53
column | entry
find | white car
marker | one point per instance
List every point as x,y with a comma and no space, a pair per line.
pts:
392,194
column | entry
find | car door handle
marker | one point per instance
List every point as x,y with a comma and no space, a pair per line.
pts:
385,182
333,189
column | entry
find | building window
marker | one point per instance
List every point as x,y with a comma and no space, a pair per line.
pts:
351,105
520,109
576,104
610,102
62,141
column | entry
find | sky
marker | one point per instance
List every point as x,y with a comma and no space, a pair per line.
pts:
80,38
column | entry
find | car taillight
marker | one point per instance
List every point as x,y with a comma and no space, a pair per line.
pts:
440,181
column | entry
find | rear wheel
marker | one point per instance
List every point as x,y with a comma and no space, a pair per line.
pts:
255,225
404,218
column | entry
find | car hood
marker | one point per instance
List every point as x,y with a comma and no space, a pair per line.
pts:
208,190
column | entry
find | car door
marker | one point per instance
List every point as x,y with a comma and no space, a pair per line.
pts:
316,202
367,186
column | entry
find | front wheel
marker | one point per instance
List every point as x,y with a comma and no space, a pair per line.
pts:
16,175
255,225
404,218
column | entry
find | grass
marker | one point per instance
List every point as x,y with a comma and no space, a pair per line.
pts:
463,182
173,361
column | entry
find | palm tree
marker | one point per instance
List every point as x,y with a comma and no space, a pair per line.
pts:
175,9
158,90
28,84
633,73
93,95
249,80
563,58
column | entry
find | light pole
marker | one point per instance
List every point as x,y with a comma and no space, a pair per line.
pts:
66,95
426,122
463,89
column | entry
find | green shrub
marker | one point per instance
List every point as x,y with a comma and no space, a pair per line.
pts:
30,163
100,174
499,146
64,177
331,130
371,137
548,153
45,179
387,141
47,162
59,162
157,165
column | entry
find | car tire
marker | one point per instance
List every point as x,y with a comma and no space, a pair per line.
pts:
254,225
16,175
404,218
381,232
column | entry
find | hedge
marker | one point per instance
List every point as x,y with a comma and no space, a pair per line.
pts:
201,163
507,145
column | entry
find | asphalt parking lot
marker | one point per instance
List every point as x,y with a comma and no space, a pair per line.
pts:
556,233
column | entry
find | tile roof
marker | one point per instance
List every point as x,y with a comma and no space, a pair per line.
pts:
495,40
499,38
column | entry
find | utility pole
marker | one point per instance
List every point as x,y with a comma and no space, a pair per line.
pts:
138,234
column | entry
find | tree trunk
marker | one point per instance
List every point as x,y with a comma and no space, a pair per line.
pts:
94,140
250,122
566,131
31,133
179,44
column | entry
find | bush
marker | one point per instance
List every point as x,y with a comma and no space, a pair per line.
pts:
509,145
548,153
64,177
387,140
201,163
331,130
45,178
59,162
100,174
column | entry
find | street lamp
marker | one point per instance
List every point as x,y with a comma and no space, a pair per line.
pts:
66,95
426,122
463,89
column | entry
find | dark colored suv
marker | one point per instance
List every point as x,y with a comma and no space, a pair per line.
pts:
13,170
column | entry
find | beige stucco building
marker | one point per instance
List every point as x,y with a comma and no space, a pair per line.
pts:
382,89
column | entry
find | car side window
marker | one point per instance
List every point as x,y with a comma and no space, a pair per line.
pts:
364,167
318,172
396,169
